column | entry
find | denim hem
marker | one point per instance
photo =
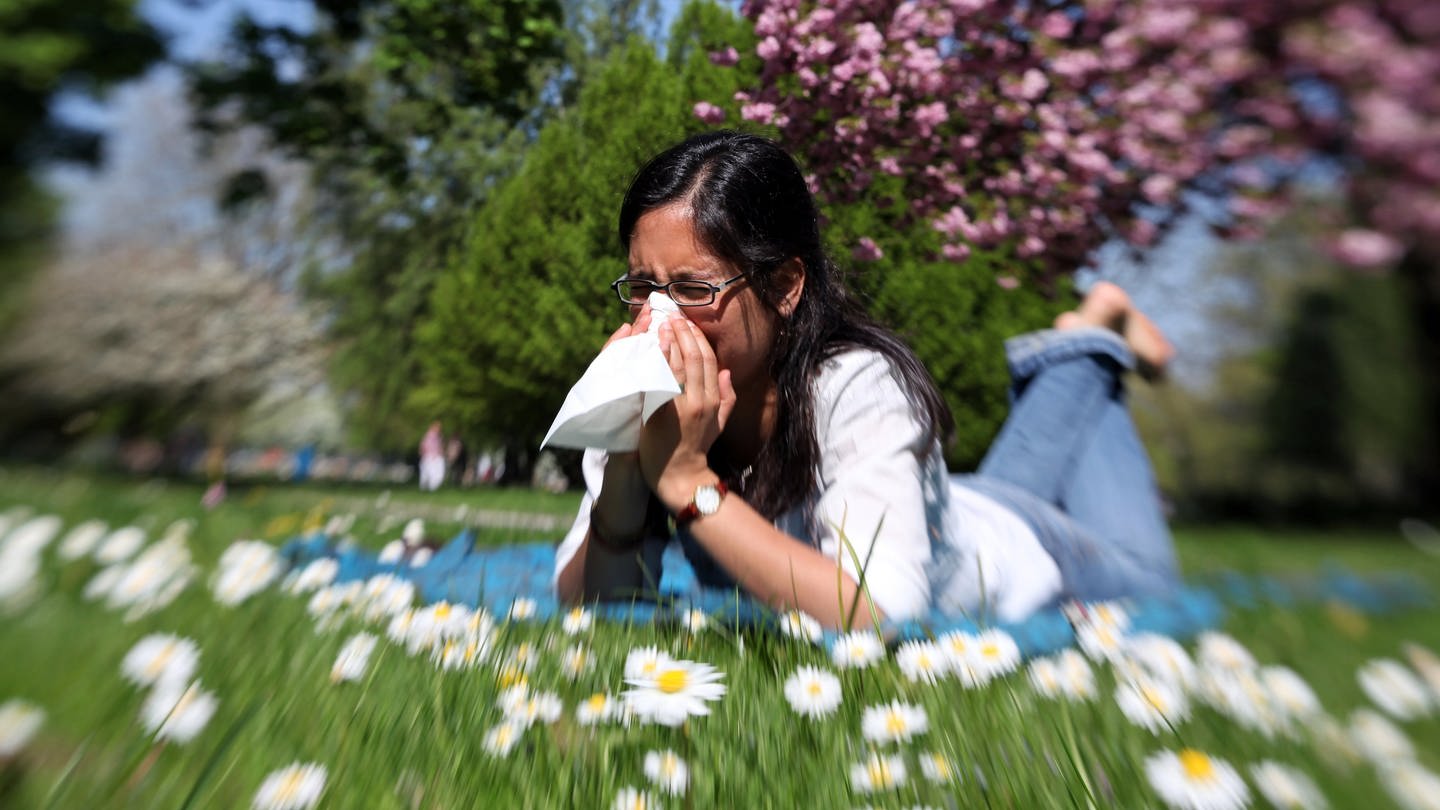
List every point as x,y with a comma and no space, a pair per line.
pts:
1030,352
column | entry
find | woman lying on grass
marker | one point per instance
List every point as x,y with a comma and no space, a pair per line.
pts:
801,422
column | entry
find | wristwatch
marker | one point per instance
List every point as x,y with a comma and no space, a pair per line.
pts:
706,501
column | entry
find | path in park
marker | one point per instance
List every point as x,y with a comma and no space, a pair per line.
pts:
402,510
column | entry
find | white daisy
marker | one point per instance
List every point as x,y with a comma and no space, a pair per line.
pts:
1109,614
1333,741
414,531
801,625
391,552
644,662
577,661
630,798
522,706
668,771
1044,676
695,621
813,692
995,653
1290,692
440,620
178,713
1411,785
295,787
1244,697
1377,739
522,609
1152,704
1220,651
676,691
99,585
1394,688
1286,787
1101,642
857,650
577,620
461,653
81,540
937,767
421,557
19,721
1426,663
354,658
877,772
501,739
1077,679
1191,780
922,661
893,722
119,545
598,708
314,576
161,658
1162,657
246,568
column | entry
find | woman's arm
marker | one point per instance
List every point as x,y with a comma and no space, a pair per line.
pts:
607,562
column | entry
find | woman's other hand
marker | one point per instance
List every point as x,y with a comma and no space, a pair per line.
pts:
675,443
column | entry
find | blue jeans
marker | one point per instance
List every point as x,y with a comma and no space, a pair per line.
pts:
1069,462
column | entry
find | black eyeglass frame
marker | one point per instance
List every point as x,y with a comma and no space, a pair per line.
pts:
715,289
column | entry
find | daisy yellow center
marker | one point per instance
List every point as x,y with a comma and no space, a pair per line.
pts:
958,646
157,664
895,723
942,766
290,785
669,766
857,651
1155,699
442,611
672,681
596,702
880,775
814,689
502,737
924,662
576,615
990,651
1197,766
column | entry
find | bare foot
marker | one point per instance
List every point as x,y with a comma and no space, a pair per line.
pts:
1107,305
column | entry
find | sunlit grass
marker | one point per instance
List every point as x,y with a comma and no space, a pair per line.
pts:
410,735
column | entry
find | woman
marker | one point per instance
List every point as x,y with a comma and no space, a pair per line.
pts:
802,460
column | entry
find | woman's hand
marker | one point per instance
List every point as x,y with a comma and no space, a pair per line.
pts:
675,442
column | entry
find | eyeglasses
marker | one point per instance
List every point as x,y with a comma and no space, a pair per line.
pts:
636,292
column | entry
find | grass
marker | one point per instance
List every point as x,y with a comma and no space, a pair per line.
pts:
409,735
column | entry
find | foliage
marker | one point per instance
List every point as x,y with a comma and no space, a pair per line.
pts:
1316,407
47,46
1053,127
523,306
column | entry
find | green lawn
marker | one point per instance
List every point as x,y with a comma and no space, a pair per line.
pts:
411,735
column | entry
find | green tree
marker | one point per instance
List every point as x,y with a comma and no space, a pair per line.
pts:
523,306
409,112
47,46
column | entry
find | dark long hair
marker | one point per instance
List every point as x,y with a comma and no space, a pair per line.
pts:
753,209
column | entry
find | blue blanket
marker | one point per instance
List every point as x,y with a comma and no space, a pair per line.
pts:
497,576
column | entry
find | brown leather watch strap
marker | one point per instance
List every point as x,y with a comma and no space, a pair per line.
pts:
692,511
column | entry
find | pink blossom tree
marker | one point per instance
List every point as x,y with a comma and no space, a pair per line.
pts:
1047,129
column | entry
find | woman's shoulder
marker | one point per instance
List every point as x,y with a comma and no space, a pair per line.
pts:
854,366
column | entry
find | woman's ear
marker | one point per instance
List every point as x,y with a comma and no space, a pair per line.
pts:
790,281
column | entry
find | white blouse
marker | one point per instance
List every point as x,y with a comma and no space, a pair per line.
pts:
926,541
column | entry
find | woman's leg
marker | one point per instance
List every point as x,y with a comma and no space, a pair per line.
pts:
1070,443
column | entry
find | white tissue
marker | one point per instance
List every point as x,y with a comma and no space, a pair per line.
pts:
626,383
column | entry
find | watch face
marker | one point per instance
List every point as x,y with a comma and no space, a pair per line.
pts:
707,500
